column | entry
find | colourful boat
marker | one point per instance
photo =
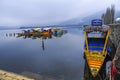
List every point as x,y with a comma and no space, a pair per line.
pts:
96,39
57,32
46,31
36,32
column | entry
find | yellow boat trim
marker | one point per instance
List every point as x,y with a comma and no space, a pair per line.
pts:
106,41
86,40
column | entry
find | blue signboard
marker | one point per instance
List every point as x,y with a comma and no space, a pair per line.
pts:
96,22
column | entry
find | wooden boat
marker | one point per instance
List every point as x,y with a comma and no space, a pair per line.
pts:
57,32
46,31
35,32
56,29
96,47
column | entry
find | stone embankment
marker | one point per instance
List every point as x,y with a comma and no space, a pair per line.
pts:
115,42
115,34
115,38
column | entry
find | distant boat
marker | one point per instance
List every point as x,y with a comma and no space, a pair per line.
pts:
35,32
96,39
57,32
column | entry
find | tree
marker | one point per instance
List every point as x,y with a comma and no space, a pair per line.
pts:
103,17
112,13
108,16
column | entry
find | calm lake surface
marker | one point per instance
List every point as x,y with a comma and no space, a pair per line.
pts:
58,57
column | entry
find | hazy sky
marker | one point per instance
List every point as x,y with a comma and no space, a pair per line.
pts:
44,12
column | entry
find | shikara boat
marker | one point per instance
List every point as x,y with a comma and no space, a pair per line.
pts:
96,40
35,32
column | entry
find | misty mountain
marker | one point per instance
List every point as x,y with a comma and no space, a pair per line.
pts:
86,20
80,20
72,21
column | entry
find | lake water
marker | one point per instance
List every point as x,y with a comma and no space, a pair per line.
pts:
57,57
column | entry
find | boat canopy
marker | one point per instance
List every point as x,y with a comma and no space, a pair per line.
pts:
36,29
46,28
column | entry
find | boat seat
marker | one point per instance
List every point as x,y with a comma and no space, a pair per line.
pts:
98,48
95,44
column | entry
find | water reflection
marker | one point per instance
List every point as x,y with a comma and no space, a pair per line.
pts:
11,34
45,36
37,35
62,57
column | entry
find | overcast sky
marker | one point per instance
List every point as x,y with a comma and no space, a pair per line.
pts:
45,12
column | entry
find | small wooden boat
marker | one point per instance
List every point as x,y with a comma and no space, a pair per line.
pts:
35,32
96,39
57,32
45,33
